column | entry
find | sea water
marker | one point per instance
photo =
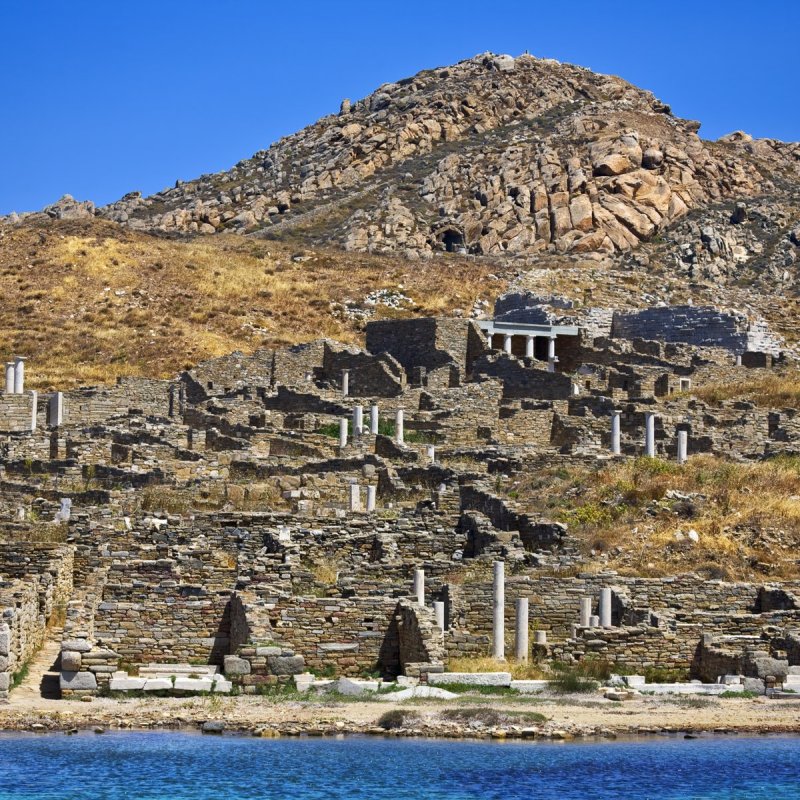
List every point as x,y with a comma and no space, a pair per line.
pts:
178,766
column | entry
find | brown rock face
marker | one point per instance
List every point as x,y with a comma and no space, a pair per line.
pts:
494,155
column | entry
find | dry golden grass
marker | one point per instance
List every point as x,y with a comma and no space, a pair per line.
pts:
746,516
88,301
520,670
771,390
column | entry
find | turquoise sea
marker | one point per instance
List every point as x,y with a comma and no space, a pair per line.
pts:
178,766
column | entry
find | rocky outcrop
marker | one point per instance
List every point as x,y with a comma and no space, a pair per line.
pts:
493,155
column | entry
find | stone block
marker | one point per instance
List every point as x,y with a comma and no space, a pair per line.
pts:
5,681
236,666
471,678
80,645
157,685
286,665
70,660
526,687
221,686
126,684
268,651
193,684
354,687
77,681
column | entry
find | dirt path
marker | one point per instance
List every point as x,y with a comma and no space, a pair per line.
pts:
42,680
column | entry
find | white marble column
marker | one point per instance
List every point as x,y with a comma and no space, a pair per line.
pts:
498,612
19,375
605,607
616,430
35,402
438,613
551,348
358,421
343,432
530,342
419,586
372,493
650,434
586,611
355,498
399,433
683,446
507,343
431,451
521,630
56,409
345,382
373,420
9,377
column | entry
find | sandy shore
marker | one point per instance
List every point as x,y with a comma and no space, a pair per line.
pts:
562,717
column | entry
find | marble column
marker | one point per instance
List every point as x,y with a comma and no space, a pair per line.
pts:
399,433
650,434
498,612
605,607
683,446
616,430
521,630
419,586
373,420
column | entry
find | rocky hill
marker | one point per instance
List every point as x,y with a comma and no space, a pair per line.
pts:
494,155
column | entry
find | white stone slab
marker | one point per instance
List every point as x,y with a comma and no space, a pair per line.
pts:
126,684
417,691
527,687
471,678
157,685
193,684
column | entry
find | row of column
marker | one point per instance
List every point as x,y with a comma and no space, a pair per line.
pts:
649,437
358,427
15,376
603,618
530,340
521,651
355,498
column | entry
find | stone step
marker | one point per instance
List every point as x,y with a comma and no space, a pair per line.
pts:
165,670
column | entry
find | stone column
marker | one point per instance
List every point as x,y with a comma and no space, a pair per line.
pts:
594,621
438,613
19,375
355,497
498,612
9,377
551,348
650,434
616,430
431,450
345,382
358,420
540,637
586,611
605,607
35,402
530,342
738,360
373,420
551,364
343,432
398,427
56,409
683,446
372,493
419,586
521,630
507,343
489,336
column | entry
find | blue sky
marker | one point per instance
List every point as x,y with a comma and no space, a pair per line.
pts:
101,98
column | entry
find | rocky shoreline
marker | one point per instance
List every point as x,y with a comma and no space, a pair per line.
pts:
552,720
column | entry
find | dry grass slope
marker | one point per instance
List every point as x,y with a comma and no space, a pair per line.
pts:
636,516
88,302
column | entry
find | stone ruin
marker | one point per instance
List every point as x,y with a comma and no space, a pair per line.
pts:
318,508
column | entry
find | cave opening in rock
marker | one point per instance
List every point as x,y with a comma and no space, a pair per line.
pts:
453,241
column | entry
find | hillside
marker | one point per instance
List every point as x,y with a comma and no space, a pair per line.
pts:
560,182
87,300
